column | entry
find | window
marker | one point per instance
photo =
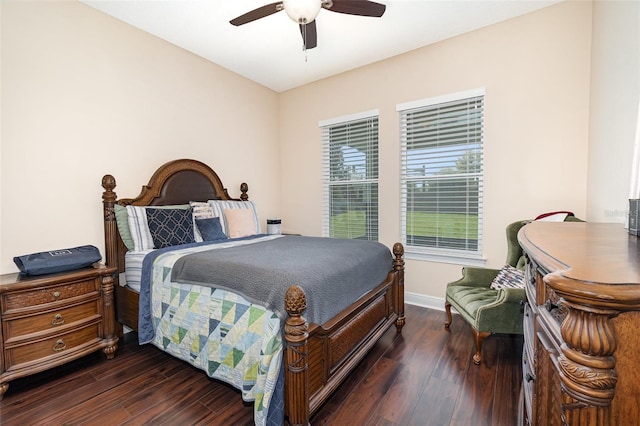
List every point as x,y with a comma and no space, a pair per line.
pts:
441,176
350,162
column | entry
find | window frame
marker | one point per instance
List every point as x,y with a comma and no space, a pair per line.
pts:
435,254
326,168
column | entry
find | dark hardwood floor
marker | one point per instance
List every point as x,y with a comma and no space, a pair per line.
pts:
423,377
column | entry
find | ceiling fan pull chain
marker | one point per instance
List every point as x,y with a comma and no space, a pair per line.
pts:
304,39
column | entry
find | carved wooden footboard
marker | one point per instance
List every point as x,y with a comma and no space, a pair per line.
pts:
317,357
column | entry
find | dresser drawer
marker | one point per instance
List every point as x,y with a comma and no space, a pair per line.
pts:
530,272
528,385
56,345
528,328
553,305
54,319
21,300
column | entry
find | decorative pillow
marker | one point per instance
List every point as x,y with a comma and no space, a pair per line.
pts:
170,227
139,227
201,210
240,223
219,207
122,220
508,277
210,229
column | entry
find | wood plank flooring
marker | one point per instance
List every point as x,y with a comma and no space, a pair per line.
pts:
425,376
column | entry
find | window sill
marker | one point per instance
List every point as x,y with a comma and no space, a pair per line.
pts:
456,259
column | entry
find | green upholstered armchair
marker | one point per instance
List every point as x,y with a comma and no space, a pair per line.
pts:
487,310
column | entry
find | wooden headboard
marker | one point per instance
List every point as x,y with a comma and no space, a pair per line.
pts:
175,182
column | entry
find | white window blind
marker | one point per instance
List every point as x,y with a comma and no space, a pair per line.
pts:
441,175
350,162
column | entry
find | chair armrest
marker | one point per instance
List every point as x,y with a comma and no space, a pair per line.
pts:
503,315
476,277
507,295
512,295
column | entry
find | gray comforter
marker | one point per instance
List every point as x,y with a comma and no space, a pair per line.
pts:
332,272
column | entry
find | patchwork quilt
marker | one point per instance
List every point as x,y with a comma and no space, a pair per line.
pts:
221,310
219,332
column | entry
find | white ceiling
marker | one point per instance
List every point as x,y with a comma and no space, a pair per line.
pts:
269,50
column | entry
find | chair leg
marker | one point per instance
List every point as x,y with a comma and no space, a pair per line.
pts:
447,308
479,338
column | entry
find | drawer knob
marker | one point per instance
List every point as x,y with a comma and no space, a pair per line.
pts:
57,320
59,345
56,294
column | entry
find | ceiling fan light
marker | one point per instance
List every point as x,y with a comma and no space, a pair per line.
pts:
302,11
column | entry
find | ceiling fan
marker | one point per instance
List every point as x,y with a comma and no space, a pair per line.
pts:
304,13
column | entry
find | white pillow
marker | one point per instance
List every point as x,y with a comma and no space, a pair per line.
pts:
139,228
219,206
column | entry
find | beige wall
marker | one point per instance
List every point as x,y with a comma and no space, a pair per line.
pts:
615,93
76,82
84,95
535,70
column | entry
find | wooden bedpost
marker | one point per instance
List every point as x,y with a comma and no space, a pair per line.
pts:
296,373
110,226
398,266
111,256
244,188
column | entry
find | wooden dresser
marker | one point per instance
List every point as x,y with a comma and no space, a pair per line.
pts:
48,320
581,360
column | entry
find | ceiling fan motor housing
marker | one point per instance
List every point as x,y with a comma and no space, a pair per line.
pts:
302,11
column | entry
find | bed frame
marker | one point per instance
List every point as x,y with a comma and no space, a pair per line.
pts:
317,357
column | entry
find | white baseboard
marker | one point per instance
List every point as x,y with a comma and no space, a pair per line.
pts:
430,302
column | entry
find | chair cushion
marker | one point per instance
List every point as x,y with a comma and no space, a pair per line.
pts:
469,298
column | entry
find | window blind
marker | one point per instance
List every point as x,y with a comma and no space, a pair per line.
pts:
441,175
350,163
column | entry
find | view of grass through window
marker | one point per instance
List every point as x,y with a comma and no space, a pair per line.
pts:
442,173
351,178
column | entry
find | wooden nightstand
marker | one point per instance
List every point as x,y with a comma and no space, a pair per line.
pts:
48,320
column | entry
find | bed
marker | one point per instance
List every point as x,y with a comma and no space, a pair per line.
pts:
316,357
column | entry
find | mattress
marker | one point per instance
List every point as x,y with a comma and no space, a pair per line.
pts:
133,268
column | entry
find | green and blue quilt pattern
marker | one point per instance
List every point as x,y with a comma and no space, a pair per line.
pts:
221,333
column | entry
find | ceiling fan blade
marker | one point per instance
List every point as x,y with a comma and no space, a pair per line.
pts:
258,13
356,7
309,34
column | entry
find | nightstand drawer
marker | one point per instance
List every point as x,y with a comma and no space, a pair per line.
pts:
57,345
20,300
47,321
